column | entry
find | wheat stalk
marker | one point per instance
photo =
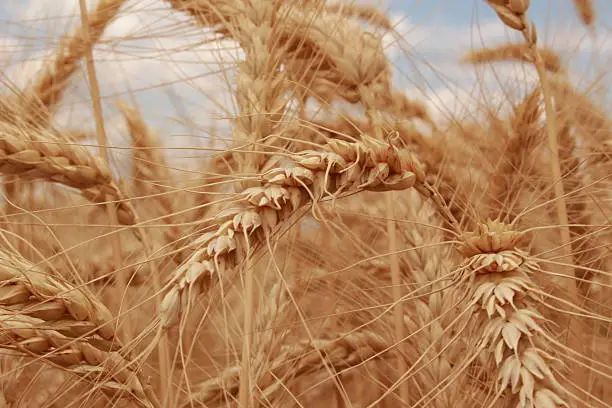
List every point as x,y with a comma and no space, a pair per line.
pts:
513,14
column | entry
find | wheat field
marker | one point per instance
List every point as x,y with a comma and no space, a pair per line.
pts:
305,232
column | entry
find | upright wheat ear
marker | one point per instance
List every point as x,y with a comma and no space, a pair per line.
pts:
505,308
49,85
150,171
514,14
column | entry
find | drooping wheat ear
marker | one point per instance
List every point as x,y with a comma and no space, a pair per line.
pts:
107,369
39,154
150,171
327,56
339,167
319,61
297,360
586,11
505,312
47,88
28,290
514,52
524,135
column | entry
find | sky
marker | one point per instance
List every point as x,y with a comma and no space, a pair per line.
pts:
153,57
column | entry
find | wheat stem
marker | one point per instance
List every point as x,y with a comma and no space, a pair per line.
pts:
396,282
94,88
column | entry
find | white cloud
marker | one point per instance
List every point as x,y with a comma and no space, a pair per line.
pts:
150,49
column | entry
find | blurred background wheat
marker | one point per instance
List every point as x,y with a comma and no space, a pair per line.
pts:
262,203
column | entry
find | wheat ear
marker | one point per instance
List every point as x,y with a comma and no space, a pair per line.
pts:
340,167
514,52
110,371
49,85
150,170
261,85
370,14
428,260
524,136
39,154
505,304
26,289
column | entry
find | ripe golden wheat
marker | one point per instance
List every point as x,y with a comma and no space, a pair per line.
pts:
345,248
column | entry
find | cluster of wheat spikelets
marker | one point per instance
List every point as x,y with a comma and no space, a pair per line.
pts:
346,257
